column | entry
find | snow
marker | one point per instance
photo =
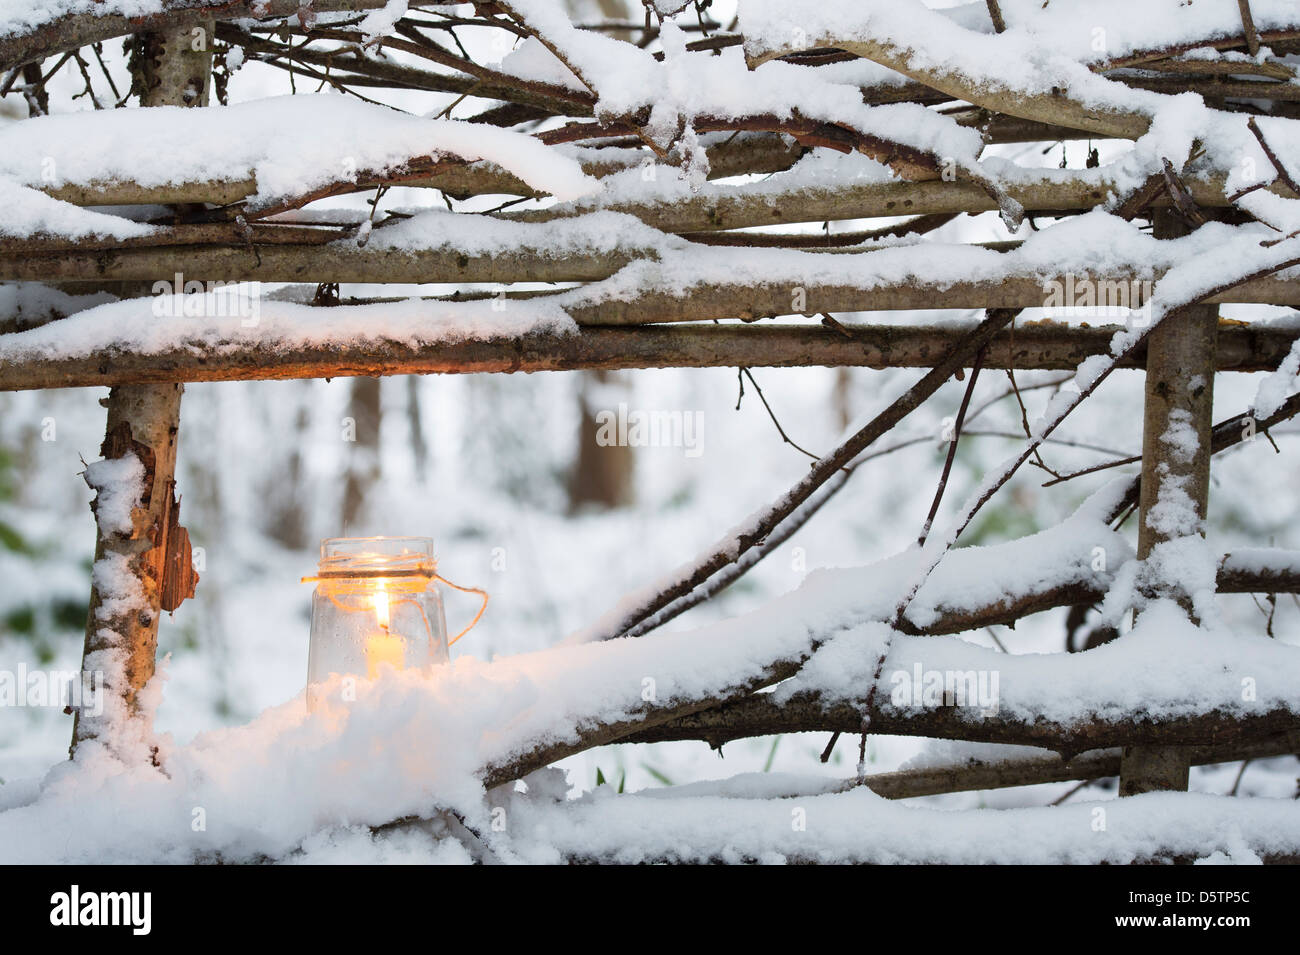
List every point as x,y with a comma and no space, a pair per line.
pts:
683,87
1164,667
119,588
1183,565
17,17
632,187
1260,560
1011,60
31,303
29,213
288,144
228,318
1087,250
120,483
1175,514
1059,556
433,735
1091,32
862,827
949,753
1276,388
1284,139
379,22
598,233
290,781
1043,54
531,60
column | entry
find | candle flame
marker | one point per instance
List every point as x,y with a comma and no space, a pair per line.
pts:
381,606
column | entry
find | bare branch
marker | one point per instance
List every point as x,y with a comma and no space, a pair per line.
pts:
1037,771
757,714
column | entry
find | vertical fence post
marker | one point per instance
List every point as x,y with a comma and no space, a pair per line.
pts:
142,554
1180,395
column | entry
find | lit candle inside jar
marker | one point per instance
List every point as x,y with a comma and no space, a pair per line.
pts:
383,647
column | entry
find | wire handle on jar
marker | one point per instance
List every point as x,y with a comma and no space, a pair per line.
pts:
467,590
426,572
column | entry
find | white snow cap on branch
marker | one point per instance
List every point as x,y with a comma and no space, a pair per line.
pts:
290,144
29,213
1091,31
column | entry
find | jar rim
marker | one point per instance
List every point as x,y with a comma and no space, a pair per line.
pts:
376,553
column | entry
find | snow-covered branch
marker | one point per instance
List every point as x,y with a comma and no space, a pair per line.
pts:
29,33
128,344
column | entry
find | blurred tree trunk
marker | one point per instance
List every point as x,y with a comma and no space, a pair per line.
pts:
287,513
842,397
206,509
361,431
603,475
415,421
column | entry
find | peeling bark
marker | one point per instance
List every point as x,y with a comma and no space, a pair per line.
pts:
127,597
146,569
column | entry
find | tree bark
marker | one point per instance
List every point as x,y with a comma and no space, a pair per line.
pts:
1179,393
139,569
122,626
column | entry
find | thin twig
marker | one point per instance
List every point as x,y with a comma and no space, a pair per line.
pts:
994,634
1272,157
742,374
1236,784
730,548
995,14
1024,421
952,449
1082,784
794,522
990,402
1248,24
1106,465
729,575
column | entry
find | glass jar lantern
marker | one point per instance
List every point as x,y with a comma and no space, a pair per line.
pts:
377,605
